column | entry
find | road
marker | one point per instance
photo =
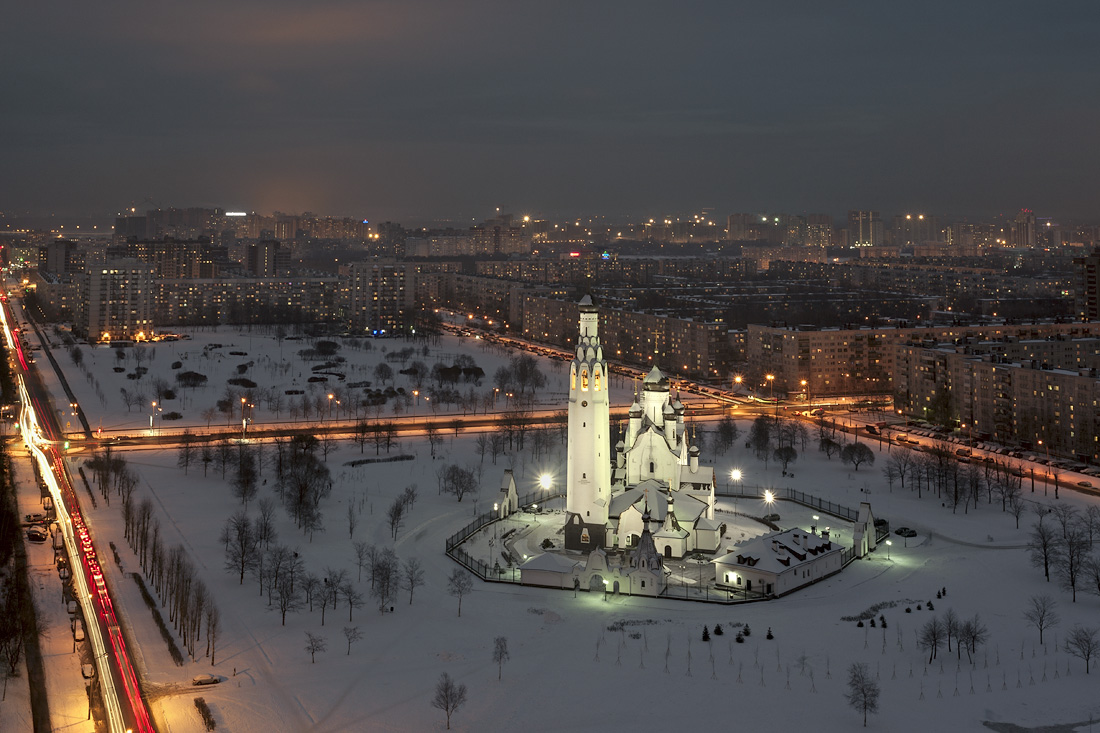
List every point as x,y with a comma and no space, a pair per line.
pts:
122,696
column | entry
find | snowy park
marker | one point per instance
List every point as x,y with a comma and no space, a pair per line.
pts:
352,656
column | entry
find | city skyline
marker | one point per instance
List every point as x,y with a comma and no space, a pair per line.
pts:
404,111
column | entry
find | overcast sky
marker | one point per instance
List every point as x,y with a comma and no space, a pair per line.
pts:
419,109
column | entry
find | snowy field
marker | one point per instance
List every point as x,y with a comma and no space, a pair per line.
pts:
582,663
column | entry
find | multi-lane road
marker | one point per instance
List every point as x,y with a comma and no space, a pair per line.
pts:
122,696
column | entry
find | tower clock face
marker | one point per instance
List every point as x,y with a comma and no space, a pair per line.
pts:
584,403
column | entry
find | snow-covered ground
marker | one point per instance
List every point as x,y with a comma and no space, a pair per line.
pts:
573,664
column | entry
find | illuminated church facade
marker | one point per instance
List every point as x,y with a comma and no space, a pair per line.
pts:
653,494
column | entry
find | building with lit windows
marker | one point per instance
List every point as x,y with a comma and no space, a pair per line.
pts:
115,299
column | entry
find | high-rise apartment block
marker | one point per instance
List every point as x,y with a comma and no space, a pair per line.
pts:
1087,287
1024,235
378,298
115,299
864,229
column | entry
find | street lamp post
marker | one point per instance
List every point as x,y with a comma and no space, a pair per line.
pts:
771,384
1047,471
330,396
888,544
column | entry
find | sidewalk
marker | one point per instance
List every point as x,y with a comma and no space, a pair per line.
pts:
65,686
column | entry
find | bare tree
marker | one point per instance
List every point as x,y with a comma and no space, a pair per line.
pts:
395,515
1043,546
310,584
458,585
353,520
950,626
385,578
458,481
856,454
362,554
412,577
243,548
288,598
352,597
863,690
352,634
500,653
449,697
265,524
972,634
315,644
1083,643
186,453
1042,613
213,626
1016,505
434,438
1073,557
931,637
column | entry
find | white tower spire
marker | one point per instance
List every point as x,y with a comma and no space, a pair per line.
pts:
588,473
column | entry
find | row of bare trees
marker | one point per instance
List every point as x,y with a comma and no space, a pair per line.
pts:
1064,546
963,485
173,576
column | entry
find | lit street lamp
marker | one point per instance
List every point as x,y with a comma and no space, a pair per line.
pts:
771,384
888,544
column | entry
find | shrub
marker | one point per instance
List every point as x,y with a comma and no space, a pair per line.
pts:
769,634
746,631
169,394
547,544
706,634
718,630
177,365
739,639
859,624
171,416
204,712
244,382
190,379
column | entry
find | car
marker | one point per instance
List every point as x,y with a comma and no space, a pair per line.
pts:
36,535
34,518
905,532
1084,484
204,679
87,670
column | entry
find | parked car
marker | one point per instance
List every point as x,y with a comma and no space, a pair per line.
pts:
88,671
204,679
905,532
34,534
1084,484
34,518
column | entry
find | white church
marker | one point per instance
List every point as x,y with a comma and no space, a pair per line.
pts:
653,494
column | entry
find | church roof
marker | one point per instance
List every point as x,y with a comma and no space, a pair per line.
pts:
638,496
586,300
776,552
708,524
654,377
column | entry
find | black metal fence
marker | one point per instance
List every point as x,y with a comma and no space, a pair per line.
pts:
788,494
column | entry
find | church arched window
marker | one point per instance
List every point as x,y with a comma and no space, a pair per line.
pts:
573,378
651,466
584,380
596,378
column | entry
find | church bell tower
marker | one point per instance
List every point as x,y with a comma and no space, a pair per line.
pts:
588,472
